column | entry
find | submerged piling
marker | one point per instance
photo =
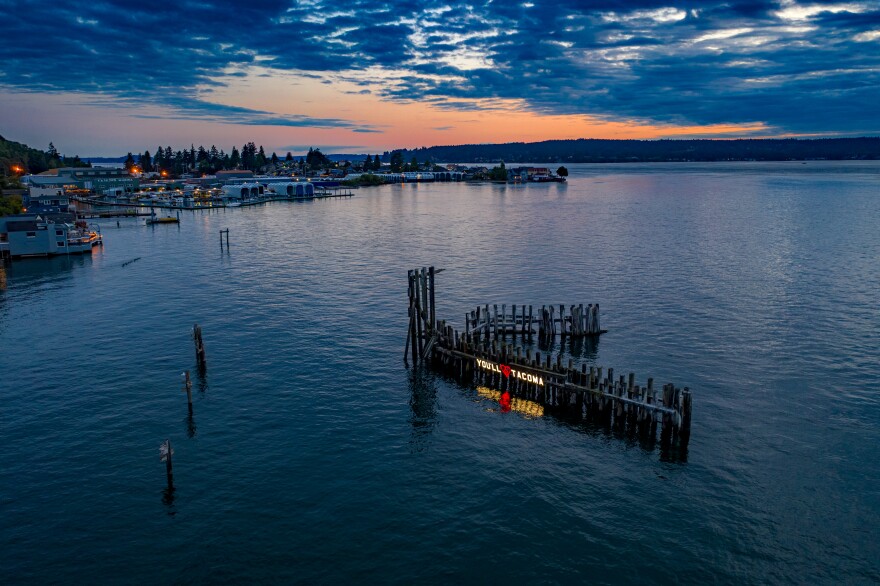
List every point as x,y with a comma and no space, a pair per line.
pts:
165,453
200,347
187,388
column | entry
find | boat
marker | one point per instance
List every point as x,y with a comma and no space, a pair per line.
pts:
154,219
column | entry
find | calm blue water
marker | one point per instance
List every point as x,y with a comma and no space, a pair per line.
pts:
315,456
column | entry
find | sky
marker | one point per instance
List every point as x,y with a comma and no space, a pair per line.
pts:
103,78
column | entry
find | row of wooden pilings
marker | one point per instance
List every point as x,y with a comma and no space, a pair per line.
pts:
165,450
580,322
591,392
421,334
478,356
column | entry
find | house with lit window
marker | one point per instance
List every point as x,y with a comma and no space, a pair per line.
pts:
46,200
24,235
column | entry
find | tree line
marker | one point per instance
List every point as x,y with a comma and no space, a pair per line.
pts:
207,161
17,159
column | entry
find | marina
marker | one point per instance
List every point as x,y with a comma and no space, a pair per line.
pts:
232,196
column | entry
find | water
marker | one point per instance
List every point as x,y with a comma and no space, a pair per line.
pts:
315,456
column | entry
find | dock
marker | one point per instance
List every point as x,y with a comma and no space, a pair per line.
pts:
482,355
212,203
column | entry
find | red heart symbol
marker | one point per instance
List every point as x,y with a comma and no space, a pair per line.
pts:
505,370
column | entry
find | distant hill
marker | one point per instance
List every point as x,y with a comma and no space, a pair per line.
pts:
99,160
590,150
346,157
17,155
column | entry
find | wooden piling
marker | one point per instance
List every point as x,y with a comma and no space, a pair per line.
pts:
187,387
200,347
431,300
165,453
685,431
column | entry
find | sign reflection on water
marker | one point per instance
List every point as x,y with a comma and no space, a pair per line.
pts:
509,403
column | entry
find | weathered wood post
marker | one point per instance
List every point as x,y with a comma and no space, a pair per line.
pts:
165,453
187,388
411,332
426,310
200,347
685,433
420,314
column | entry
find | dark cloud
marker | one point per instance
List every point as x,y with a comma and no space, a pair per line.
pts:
810,67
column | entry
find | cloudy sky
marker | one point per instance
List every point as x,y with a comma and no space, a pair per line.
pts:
102,78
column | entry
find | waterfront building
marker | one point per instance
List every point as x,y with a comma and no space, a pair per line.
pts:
241,191
37,235
234,174
46,200
294,189
96,179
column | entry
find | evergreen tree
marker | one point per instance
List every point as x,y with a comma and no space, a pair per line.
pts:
275,159
129,162
368,163
146,162
234,159
498,173
377,163
289,157
397,162
316,159
260,158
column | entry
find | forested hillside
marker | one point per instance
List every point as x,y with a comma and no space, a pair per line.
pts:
620,151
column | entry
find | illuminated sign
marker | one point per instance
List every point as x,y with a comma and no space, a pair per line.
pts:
508,372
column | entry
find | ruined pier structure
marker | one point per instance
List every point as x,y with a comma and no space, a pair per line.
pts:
580,322
481,355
